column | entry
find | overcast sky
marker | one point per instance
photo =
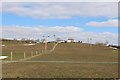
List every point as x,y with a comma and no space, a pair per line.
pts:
78,20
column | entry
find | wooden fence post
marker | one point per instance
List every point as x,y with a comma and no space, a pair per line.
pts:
31,53
11,55
24,55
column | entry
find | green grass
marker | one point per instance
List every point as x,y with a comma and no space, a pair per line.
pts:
65,52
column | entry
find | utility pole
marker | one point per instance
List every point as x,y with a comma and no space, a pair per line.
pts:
89,41
55,39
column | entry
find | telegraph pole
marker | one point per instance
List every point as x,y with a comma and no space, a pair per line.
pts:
89,41
55,39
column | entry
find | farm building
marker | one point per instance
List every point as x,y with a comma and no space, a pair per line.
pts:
61,41
70,40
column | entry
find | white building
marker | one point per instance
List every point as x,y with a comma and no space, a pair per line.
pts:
61,41
70,40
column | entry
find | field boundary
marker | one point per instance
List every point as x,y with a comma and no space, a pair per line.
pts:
53,47
63,61
11,61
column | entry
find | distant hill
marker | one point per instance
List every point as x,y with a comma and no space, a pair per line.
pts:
5,40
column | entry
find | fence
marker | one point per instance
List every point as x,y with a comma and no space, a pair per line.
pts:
12,55
18,56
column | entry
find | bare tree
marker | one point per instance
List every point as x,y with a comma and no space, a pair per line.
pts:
58,39
106,42
43,40
23,39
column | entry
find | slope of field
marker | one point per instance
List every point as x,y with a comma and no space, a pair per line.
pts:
68,52
80,52
18,49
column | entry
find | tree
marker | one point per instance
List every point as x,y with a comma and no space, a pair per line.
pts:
37,40
106,42
54,36
58,39
43,40
23,39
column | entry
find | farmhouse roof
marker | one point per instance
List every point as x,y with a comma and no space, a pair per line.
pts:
70,39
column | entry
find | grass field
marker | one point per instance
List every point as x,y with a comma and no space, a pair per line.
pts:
18,49
63,52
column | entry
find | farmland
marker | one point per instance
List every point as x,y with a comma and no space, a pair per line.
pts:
63,52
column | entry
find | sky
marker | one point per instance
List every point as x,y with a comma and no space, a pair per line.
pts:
78,20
